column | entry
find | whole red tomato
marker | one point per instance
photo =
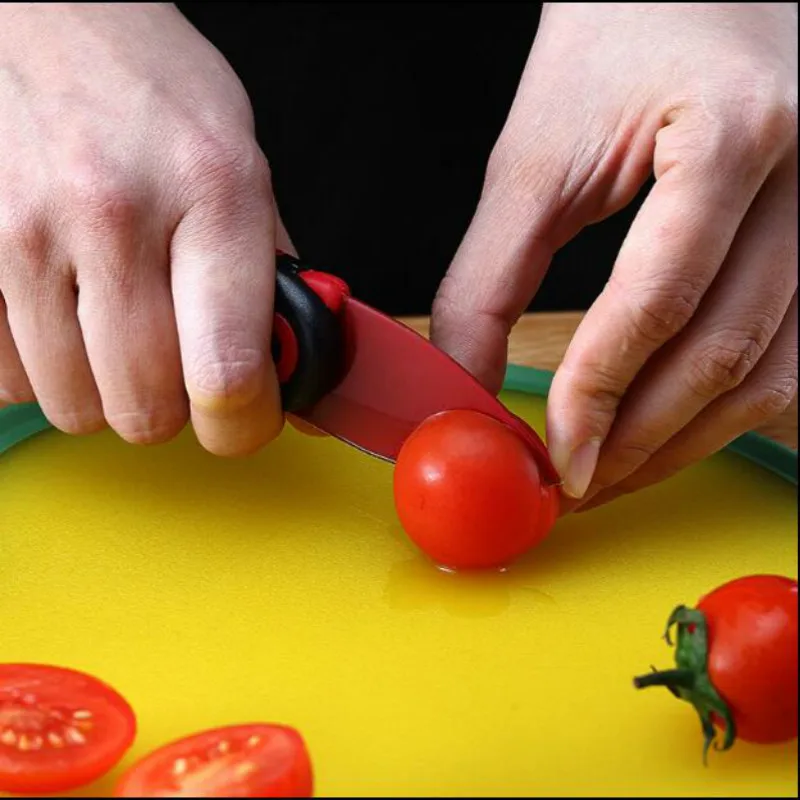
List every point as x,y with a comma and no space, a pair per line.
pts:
736,660
468,492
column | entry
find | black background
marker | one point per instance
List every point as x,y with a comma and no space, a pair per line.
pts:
378,119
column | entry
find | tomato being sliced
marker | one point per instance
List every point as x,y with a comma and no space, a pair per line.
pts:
59,729
239,761
468,492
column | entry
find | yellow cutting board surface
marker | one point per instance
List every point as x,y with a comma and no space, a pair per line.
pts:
281,588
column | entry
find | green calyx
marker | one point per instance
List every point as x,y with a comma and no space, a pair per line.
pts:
689,681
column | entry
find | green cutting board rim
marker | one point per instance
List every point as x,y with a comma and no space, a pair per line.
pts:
20,422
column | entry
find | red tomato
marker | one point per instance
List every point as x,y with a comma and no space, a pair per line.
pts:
467,491
59,729
752,660
736,659
240,761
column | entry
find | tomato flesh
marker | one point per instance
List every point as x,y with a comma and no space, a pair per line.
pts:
468,491
239,761
59,729
752,660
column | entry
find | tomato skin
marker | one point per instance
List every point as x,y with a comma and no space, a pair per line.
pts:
76,729
258,760
752,659
468,492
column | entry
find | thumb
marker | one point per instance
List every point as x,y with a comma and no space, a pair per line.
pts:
223,281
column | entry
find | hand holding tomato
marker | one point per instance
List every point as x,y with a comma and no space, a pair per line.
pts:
693,341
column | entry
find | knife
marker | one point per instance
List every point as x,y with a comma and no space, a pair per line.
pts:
364,378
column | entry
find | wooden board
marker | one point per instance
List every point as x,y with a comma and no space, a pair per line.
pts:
281,588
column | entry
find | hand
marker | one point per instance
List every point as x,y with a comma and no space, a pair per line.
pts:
694,339
137,229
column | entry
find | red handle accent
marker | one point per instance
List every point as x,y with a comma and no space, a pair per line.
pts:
332,291
289,351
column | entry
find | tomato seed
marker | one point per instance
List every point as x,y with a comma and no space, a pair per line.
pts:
8,738
180,766
74,736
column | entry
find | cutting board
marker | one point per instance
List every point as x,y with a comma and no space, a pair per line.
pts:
281,588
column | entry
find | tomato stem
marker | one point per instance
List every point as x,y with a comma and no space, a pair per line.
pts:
671,678
690,680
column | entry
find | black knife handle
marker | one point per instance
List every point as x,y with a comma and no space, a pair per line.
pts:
308,337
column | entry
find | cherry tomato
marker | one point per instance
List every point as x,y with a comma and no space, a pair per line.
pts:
59,729
468,492
239,761
736,660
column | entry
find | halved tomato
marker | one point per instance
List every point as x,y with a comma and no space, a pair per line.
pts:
59,729
239,761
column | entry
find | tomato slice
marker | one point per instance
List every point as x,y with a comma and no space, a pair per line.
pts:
238,761
59,729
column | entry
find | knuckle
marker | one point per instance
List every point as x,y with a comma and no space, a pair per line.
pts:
742,135
773,399
147,426
629,456
626,459
225,165
598,382
23,237
769,119
657,313
454,310
101,197
226,377
722,367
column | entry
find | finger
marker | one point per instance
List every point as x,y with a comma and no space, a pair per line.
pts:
671,255
736,322
495,273
126,314
14,384
543,185
41,312
767,392
43,318
223,278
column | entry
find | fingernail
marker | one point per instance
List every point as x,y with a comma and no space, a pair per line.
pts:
577,467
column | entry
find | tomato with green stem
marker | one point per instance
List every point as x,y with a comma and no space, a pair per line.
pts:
59,729
468,491
238,761
736,661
